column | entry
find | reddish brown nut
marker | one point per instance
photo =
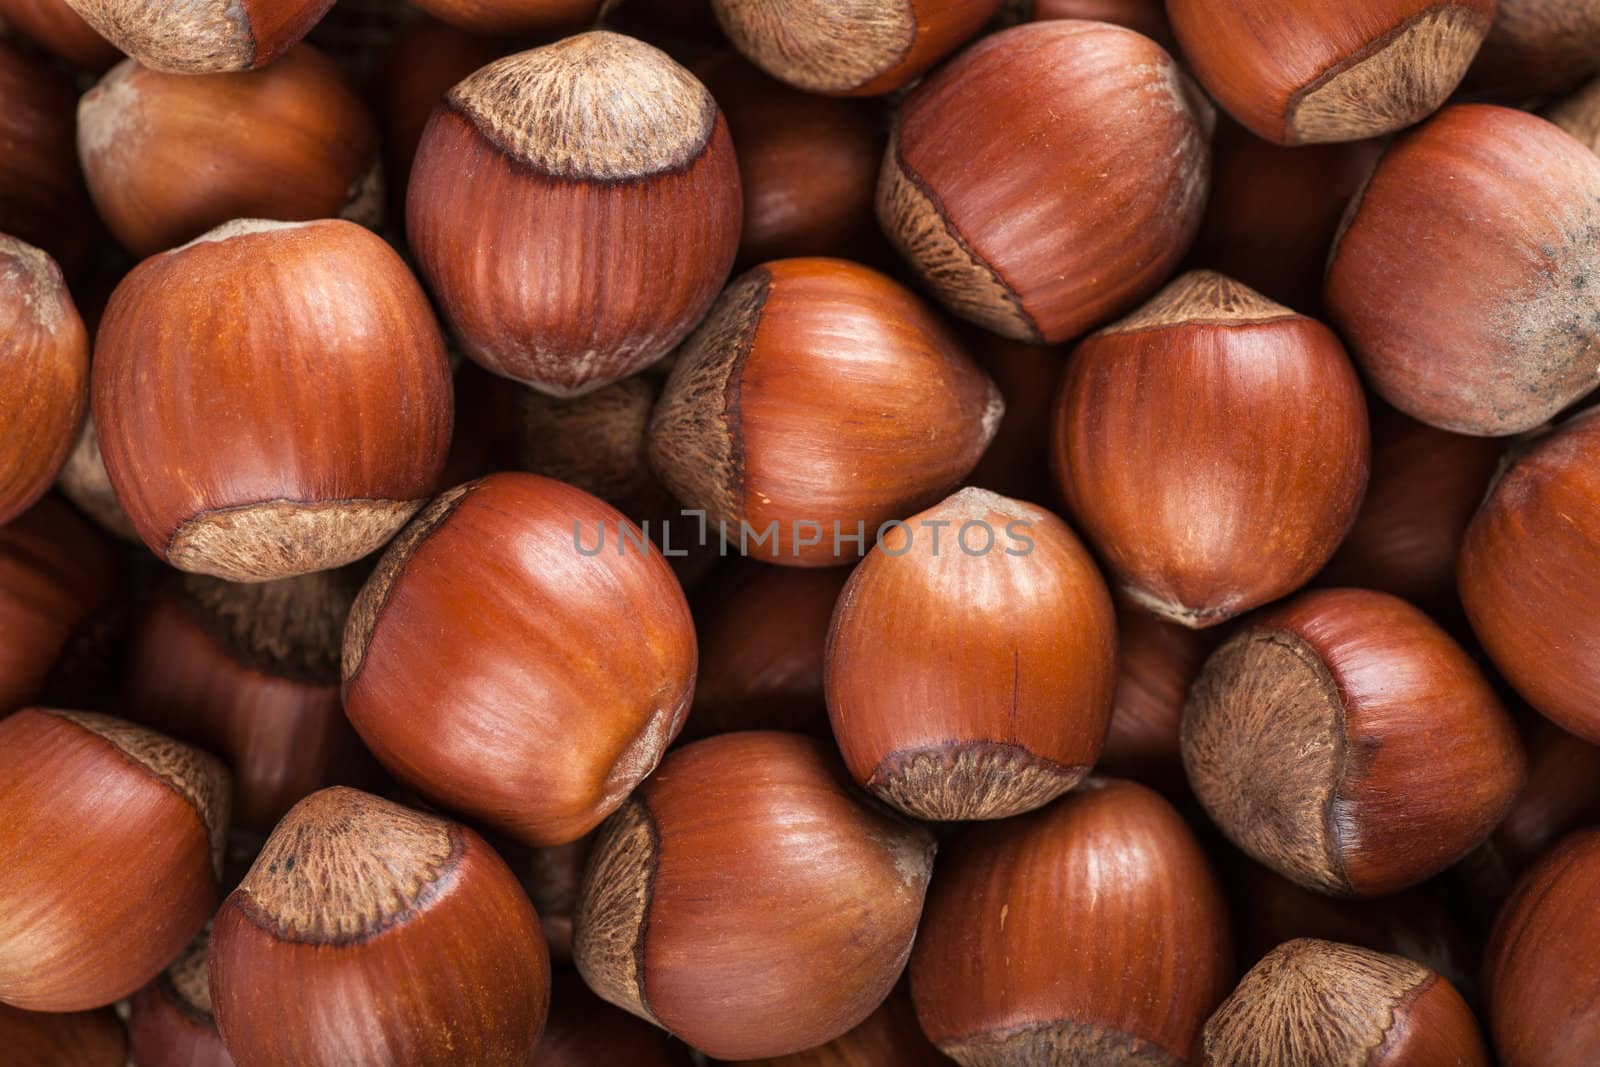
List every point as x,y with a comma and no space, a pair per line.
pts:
205,36
598,167
170,1021
543,728
762,631
414,72
1148,17
1274,211
53,24
596,442
1037,221
42,199
584,1031
64,1039
891,1037
292,142
1113,882
849,48
818,400
970,676
1157,661
1426,486
1214,447
1347,742
747,899
272,399
366,932
1541,972
1537,48
1528,579
84,481
56,571
1308,72
44,361
1324,1004
109,855
808,164
1464,277
1017,462
251,672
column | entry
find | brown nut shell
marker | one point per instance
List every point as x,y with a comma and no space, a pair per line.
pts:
53,24
973,679
64,1039
1346,741
514,659
42,198
1213,447
202,36
109,855
747,899
1035,221
272,399
1113,882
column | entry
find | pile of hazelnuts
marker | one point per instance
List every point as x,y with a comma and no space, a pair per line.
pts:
872,533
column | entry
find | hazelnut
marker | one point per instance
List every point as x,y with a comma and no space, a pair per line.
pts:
1537,48
53,24
64,1039
205,36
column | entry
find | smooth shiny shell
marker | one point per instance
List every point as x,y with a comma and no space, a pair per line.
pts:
1213,447
369,933
251,672
749,900
1113,882
808,164
1528,578
42,199
514,659
1464,280
202,36
44,362
1306,72
850,47
575,209
1349,743
972,679
272,399
1321,1004
56,570
291,142
64,1039
818,398
107,854
1426,486
1037,220
1542,975
53,24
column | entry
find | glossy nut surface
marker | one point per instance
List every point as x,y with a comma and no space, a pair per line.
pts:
987,184
109,855
1306,72
272,399
749,900
1213,447
512,658
205,36
1109,877
1349,743
575,209
973,679
1462,278
1528,580
171,156
367,932
819,397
